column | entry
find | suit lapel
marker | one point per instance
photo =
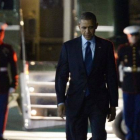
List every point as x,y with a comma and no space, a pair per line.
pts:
80,54
97,54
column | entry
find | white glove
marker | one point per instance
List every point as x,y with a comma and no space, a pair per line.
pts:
11,90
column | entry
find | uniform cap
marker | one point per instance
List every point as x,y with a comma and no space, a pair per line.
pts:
132,29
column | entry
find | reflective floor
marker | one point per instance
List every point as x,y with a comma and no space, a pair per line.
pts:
19,135
15,130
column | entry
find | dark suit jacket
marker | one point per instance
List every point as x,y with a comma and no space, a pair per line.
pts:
102,81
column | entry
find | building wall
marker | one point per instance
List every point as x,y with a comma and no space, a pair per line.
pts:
102,9
134,12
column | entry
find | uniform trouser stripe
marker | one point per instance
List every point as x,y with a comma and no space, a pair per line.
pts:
3,112
132,115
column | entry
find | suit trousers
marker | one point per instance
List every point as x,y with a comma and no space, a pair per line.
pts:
3,110
77,126
131,114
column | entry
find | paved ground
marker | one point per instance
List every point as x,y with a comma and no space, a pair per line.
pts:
15,130
43,136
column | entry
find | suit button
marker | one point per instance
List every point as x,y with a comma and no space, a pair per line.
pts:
84,90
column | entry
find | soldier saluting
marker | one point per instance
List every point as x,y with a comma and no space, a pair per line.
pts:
7,56
129,58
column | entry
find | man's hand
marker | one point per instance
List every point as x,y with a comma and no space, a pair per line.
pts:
61,110
112,114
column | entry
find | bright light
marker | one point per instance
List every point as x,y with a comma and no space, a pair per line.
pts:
26,121
21,23
27,77
32,63
31,89
26,124
33,112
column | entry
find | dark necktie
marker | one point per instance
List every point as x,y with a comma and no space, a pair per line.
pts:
88,62
88,58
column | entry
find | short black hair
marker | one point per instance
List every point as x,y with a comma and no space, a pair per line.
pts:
88,16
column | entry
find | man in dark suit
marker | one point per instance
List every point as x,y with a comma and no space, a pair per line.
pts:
89,65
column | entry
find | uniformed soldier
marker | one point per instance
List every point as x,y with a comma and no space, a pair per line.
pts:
129,58
7,56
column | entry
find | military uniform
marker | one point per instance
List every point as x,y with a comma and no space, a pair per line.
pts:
7,56
129,58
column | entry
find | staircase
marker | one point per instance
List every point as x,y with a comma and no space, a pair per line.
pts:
39,100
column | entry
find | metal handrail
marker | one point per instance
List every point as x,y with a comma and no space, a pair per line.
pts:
22,40
43,94
43,106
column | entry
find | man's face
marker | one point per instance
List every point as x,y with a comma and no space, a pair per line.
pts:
1,36
87,28
133,39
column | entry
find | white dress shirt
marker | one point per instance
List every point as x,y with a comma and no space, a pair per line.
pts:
92,46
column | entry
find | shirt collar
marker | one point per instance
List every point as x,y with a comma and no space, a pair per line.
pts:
84,41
